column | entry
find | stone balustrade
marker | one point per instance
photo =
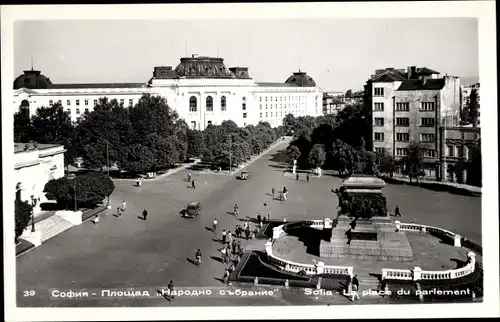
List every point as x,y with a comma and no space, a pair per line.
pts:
430,230
397,274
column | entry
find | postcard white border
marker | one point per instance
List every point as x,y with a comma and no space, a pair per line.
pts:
484,11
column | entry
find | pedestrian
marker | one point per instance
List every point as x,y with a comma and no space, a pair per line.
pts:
189,176
396,212
307,177
144,214
355,287
118,214
349,236
171,289
245,225
226,276
247,233
198,257
96,219
223,253
240,248
233,245
284,189
259,217
353,224
272,191
192,184
229,238
224,235
124,205
214,226
268,217
238,258
297,177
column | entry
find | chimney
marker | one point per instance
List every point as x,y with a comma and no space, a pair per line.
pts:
412,71
195,55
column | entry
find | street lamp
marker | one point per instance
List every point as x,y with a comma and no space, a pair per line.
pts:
33,204
74,192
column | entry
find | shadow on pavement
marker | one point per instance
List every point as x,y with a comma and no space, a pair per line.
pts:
216,258
141,218
192,261
460,263
220,279
378,276
209,228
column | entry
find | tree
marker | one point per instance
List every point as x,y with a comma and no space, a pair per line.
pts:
164,150
348,94
317,156
344,157
194,143
22,217
137,159
414,160
470,113
292,153
22,125
386,163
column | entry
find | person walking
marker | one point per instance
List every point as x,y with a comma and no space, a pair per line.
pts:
144,214
229,238
245,225
307,176
239,248
96,219
226,276
198,257
247,232
171,289
224,254
396,212
124,205
214,226
272,191
224,236
355,288
189,177
236,211
233,246
192,184
297,177
349,236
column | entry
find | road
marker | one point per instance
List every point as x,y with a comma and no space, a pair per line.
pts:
129,252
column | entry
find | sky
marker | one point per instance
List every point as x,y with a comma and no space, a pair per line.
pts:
339,54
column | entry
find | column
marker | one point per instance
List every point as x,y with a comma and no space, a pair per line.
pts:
327,223
457,240
417,273
398,225
320,268
269,248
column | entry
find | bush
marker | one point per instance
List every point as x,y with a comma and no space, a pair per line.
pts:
91,189
22,216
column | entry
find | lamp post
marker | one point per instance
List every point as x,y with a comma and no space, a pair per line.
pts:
230,152
74,193
33,204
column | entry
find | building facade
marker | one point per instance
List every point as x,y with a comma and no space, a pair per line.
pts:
34,165
466,90
410,106
201,89
332,104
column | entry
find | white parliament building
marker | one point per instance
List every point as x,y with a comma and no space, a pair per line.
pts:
201,89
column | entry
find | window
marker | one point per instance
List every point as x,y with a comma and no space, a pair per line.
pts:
193,125
429,153
266,114
379,91
266,106
244,104
77,111
403,106
77,102
86,110
379,136
379,150
427,137
379,106
260,99
271,114
68,110
122,101
210,104
460,151
402,121
427,121
260,114
403,137
86,102
51,103
95,102
193,104
260,106
130,102
451,150
209,122
401,152
379,121
244,115
68,102
223,103
427,106
266,98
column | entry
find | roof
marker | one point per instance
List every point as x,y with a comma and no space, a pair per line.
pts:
20,147
426,71
99,85
301,79
268,84
389,76
417,84
32,79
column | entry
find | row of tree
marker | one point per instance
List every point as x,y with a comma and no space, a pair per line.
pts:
146,137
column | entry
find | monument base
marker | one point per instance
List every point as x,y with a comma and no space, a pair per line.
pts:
373,239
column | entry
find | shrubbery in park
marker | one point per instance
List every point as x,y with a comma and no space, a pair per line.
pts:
22,217
91,189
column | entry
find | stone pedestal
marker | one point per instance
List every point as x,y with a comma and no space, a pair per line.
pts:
320,268
327,223
269,247
277,232
457,241
398,225
294,169
423,230
34,237
471,257
417,273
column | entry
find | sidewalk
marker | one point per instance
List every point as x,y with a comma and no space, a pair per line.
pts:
430,183
169,172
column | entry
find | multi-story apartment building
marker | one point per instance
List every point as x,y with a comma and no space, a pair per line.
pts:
466,90
332,104
410,106
201,89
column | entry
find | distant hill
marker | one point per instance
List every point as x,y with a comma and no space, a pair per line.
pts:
469,80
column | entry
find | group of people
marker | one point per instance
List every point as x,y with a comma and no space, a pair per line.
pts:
283,194
297,176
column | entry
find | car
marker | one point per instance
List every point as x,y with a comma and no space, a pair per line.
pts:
193,209
244,175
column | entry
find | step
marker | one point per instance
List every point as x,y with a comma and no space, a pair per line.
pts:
53,226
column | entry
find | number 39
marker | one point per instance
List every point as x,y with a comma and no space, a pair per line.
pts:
29,293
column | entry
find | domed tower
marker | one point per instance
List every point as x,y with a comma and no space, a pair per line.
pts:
301,79
203,67
32,79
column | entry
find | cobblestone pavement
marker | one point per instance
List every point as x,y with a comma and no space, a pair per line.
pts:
130,252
